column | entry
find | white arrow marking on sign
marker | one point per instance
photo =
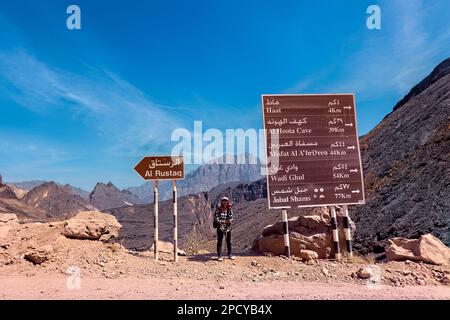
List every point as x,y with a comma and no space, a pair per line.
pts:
352,147
348,108
356,191
349,124
354,170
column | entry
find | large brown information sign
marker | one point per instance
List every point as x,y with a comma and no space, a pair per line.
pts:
161,168
319,163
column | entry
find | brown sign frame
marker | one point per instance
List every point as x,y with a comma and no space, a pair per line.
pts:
299,114
165,157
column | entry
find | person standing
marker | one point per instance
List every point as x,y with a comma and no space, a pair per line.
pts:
223,218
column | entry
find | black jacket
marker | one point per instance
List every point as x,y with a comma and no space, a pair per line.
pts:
223,219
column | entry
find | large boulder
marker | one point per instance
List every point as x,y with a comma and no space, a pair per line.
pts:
92,225
427,248
311,233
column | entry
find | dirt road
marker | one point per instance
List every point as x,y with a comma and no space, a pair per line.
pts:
54,287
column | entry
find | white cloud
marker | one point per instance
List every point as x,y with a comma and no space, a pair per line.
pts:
393,59
116,108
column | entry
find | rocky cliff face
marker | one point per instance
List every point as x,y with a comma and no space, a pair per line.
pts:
406,161
108,196
239,192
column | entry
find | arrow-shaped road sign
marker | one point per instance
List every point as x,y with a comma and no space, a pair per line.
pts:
161,168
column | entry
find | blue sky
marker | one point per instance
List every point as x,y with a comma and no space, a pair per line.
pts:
83,106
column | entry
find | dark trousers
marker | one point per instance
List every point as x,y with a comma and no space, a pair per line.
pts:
220,235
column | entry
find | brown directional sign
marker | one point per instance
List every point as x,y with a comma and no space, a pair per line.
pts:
161,168
315,138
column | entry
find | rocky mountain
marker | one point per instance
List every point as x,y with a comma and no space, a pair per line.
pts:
406,161
28,185
204,178
23,211
77,191
108,196
55,201
7,192
20,193
10,202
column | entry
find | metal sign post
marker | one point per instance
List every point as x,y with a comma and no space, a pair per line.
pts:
162,168
155,218
175,222
287,245
348,235
334,229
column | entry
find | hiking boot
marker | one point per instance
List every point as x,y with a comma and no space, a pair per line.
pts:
231,257
219,259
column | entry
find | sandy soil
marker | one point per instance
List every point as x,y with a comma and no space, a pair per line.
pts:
54,287
202,277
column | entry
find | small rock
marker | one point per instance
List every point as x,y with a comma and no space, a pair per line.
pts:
363,273
221,287
311,262
307,255
407,272
421,282
446,279
40,255
325,271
